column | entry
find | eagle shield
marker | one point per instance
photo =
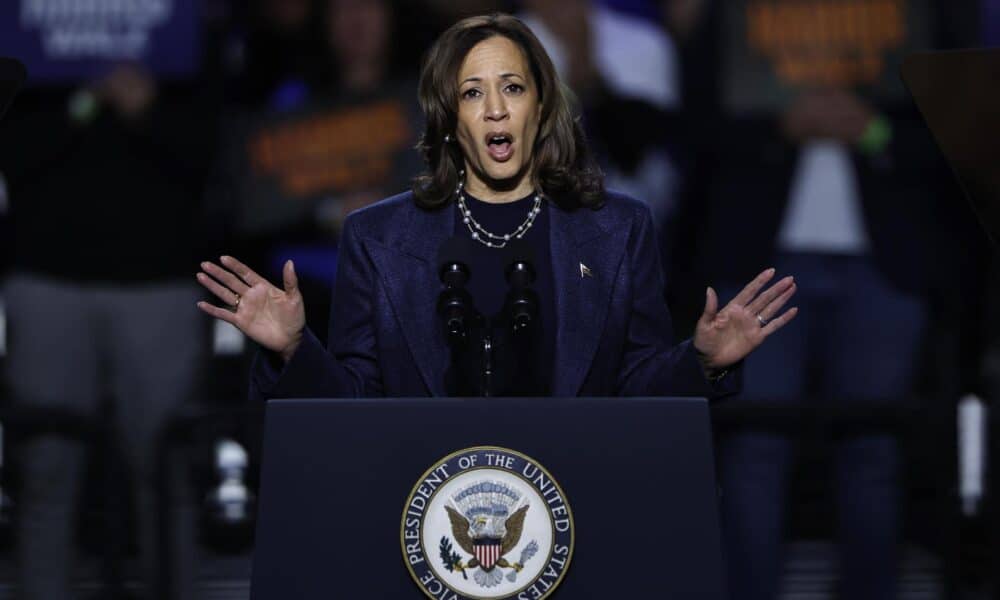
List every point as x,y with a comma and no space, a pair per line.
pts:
487,521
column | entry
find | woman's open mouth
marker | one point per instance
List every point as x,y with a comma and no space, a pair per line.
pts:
500,145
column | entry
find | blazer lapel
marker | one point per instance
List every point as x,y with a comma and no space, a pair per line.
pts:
409,273
585,262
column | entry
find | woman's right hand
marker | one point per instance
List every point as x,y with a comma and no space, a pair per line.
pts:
272,317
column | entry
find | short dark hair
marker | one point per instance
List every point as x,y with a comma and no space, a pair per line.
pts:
564,169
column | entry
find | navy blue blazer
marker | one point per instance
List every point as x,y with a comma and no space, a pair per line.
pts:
613,330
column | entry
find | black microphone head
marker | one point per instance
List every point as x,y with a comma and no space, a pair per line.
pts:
519,264
453,268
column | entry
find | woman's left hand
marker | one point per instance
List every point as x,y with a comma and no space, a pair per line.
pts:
725,337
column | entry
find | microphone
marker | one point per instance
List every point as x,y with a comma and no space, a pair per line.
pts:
454,303
519,271
451,260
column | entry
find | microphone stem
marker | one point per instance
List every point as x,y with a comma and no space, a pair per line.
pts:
487,364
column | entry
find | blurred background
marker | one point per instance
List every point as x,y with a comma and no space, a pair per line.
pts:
158,133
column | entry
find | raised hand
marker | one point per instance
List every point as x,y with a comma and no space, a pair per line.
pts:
272,317
725,337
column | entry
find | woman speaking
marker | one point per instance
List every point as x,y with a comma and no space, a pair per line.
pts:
507,161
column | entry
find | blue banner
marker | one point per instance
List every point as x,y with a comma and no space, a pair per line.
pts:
69,41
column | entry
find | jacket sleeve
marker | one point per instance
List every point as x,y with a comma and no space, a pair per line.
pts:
652,364
348,368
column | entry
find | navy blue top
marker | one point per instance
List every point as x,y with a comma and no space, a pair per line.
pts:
489,288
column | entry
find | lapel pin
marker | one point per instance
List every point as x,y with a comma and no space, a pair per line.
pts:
585,271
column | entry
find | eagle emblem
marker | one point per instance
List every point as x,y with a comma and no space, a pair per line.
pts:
487,519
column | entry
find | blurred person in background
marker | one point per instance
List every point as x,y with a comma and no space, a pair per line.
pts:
813,159
275,44
625,72
104,184
331,134
447,12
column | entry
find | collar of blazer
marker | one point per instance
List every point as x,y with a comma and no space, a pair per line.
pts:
404,252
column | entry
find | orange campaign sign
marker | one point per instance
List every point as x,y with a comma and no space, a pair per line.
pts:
291,167
776,48
339,150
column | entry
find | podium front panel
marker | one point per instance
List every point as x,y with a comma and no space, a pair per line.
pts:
638,474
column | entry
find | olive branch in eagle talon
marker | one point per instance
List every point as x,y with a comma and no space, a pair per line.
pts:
452,561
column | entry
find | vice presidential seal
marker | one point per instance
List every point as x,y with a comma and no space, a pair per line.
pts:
487,523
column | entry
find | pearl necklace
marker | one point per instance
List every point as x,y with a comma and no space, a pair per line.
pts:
487,238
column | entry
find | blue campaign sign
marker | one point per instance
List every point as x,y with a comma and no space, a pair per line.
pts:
66,41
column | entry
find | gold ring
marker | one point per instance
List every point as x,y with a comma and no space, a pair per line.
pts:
236,305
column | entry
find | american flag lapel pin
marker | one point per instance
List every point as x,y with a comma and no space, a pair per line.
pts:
585,271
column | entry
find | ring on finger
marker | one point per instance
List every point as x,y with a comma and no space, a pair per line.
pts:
236,305
763,322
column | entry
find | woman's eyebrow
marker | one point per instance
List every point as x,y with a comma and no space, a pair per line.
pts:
477,79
